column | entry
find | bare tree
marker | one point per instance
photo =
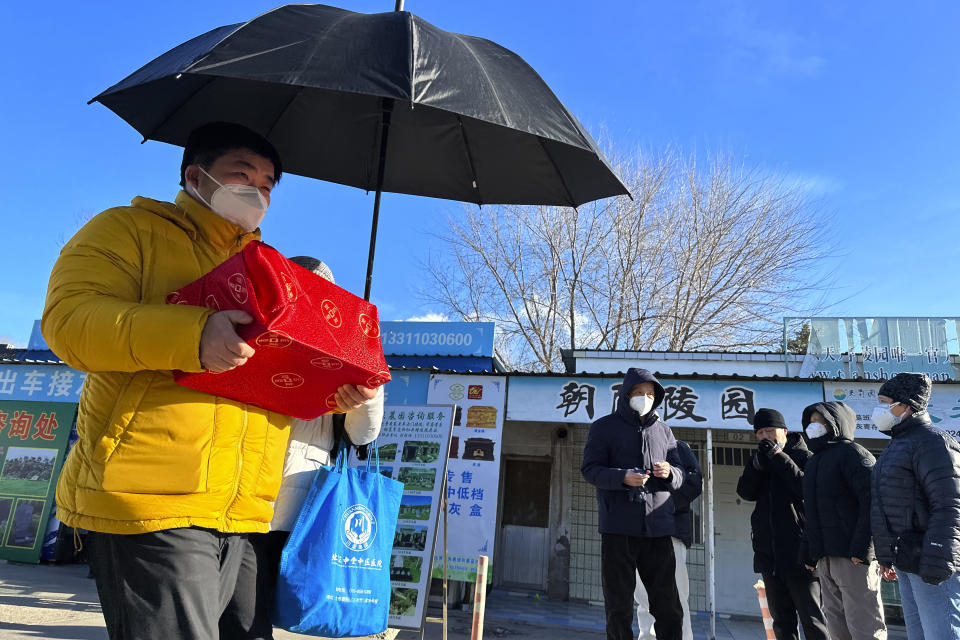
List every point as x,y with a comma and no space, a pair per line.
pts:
700,258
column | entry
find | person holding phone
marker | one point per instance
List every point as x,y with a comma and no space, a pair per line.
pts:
631,458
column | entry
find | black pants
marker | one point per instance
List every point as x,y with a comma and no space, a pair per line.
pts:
249,613
166,584
621,557
792,596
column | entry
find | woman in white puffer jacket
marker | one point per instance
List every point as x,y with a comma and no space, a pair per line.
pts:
310,445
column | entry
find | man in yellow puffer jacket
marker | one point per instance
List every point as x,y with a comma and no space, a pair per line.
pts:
168,480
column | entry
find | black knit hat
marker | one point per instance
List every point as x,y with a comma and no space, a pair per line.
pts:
767,418
912,389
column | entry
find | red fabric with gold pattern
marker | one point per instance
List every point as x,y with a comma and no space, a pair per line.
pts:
310,335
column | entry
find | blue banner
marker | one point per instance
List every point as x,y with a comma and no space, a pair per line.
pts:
37,343
407,387
437,338
40,383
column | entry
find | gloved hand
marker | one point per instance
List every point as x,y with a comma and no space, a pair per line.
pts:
768,448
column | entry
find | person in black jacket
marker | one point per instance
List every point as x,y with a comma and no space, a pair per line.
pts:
689,491
915,510
836,500
631,458
773,479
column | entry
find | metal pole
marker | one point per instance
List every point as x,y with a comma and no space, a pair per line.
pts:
786,352
479,599
444,634
398,6
711,550
384,136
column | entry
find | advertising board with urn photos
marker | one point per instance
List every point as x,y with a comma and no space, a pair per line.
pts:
473,473
33,443
412,448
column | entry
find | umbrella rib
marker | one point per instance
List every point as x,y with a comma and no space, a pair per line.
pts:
210,80
193,68
224,39
473,169
283,112
573,203
493,88
412,26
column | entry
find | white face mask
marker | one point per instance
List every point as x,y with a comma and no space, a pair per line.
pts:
884,419
241,204
641,404
816,430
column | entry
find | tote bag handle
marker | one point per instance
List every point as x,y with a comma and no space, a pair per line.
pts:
343,456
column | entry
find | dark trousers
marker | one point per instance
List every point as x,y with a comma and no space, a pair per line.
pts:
621,558
249,613
791,597
165,584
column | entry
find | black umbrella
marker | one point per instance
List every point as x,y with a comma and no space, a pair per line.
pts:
384,102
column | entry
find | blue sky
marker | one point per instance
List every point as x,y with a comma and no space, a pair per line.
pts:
858,104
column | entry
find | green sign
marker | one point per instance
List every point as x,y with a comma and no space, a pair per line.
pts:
33,441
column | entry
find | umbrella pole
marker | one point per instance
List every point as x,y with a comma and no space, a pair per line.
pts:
387,109
373,245
384,135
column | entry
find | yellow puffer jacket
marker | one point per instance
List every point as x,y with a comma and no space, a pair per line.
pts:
154,455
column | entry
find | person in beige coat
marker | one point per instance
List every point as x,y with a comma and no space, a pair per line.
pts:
312,444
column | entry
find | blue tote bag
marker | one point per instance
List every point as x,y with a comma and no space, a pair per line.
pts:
335,568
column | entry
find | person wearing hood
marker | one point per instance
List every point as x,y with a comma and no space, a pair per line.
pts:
773,478
915,511
836,500
168,480
631,458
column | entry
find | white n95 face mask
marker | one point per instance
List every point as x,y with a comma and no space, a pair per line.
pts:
241,204
641,404
884,419
816,430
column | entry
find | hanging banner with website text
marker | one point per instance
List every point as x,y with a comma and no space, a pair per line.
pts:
715,404
33,441
413,443
944,407
878,348
473,473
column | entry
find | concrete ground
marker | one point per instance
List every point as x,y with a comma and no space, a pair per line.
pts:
56,602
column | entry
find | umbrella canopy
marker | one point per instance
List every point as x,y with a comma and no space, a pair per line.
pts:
381,101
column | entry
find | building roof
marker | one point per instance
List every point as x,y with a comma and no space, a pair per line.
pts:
569,356
17,355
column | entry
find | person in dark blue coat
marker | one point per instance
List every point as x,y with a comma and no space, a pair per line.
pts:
631,457
915,508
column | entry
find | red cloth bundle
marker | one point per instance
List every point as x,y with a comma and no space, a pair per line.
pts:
310,335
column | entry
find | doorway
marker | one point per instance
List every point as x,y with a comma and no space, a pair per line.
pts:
525,523
734,550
